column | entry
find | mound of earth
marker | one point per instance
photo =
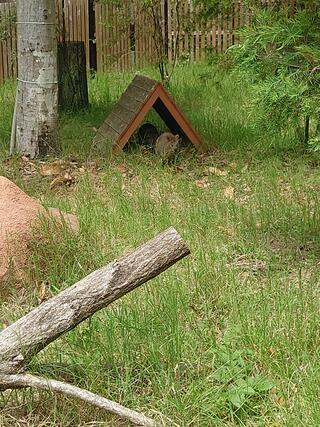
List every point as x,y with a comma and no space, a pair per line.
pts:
19,213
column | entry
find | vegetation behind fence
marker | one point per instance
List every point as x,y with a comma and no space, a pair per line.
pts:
124,34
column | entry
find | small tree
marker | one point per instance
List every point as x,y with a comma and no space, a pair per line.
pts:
34,127
279,54
153,8
155,17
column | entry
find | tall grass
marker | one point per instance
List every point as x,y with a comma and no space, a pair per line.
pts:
228,336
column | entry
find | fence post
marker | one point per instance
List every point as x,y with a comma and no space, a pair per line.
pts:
92,36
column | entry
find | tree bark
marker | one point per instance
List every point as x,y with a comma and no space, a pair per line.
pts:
36,115
27,380
72,72
23,339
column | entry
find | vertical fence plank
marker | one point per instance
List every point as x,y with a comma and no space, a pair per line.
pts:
116,40
235,25
191,32
174,31
219,47
169,31
125,49
197,44
203,39
163,27
187,25
10,48
138,38
209,35
241,14
106,39
6,53
98,35
214,35
2,75
224,33
85,38
7,41
180,29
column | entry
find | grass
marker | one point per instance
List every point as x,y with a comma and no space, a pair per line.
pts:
228,336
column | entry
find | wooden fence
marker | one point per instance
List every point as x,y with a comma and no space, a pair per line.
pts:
7,41
73,25
115,23
120,36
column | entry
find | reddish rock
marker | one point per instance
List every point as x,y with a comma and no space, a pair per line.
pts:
18,214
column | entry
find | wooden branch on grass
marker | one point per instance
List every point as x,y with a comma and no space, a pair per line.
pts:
25,338
27,380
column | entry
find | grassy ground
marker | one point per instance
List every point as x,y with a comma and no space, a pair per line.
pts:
227,337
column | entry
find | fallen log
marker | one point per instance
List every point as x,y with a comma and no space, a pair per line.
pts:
23,339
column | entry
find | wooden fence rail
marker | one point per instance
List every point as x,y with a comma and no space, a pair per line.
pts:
123,34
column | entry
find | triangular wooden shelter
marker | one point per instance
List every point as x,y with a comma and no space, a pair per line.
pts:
141,95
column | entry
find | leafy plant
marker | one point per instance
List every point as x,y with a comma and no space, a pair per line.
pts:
7,25
243,387
279,54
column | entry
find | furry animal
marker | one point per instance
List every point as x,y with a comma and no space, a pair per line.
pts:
166,145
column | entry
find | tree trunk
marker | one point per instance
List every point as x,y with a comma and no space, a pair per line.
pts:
35,122
72,72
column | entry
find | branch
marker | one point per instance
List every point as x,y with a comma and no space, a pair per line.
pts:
25,338
27,380
33,332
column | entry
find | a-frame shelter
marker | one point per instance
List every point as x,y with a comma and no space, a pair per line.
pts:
141,95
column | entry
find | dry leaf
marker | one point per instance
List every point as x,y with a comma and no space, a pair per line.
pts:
28,168
180,168
122,168
233,166
247,263
93,167
65,178
51,169
229,230
215,171
272,351
43,292
229,192
202,183
280,401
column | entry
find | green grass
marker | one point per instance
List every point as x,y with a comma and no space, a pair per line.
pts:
226,337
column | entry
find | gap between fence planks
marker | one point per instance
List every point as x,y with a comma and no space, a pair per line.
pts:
26,337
